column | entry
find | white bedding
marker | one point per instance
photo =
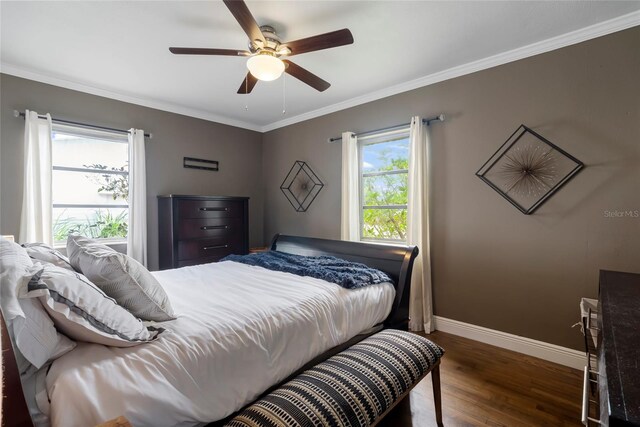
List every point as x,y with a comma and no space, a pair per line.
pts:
240,329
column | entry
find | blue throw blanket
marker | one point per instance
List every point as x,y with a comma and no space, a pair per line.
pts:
347,274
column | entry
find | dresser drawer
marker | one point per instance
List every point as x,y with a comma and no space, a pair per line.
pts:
201,229
209,209
212,227
202,248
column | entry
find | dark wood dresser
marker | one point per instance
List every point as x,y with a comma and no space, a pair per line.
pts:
200,229
619,348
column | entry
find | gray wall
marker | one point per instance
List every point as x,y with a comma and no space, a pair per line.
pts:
492,265
174,136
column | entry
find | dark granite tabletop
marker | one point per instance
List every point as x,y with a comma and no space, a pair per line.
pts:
620,314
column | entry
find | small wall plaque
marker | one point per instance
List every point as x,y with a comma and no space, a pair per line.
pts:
528,169
207,165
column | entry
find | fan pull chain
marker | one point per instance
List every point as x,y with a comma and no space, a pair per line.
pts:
246,88
284,95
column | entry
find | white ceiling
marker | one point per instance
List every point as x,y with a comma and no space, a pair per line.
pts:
119,49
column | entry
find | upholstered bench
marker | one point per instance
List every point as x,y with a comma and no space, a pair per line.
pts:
355,388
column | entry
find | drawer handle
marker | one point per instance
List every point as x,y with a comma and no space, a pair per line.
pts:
214,209
206,248
214,227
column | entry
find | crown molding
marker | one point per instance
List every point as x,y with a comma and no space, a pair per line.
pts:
7,68
583,34
587,33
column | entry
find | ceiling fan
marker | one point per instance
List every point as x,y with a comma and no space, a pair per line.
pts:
266,50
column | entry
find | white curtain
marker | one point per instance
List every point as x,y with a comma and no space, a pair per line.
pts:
137,233
420,305
350,207
37,212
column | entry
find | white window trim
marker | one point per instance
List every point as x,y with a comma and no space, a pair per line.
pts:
371,139
103,135
107,242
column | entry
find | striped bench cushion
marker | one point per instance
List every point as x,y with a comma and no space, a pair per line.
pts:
353,388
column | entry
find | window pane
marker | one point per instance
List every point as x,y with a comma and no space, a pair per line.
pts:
388,155
384,184
81,148
95,223
382,190
78,152
89,188
384,224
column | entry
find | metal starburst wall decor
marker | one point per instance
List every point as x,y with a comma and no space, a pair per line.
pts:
528,169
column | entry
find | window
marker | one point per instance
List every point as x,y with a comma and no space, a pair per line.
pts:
384,164
90,183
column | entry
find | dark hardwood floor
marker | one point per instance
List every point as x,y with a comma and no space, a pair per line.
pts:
486,385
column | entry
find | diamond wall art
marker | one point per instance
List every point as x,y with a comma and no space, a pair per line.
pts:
301,186
528,169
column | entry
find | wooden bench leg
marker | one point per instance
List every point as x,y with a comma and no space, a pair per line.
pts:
435,379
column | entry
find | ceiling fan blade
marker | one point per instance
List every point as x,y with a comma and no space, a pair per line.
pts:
205,51
247,84
306,76
241,12
319,42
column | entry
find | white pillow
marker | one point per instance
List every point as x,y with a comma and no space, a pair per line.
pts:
81,310
32,331
46,254
121,277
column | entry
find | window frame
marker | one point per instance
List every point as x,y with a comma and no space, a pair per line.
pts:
101,135
371,139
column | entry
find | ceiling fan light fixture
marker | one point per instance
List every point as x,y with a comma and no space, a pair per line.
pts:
265,67
266,48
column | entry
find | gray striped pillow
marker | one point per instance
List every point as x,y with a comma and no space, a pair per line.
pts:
121,277
81,310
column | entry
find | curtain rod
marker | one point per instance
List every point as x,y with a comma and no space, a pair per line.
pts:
428,121
17,113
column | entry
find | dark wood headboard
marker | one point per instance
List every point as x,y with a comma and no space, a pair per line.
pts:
395,260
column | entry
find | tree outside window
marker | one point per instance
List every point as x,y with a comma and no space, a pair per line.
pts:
384,178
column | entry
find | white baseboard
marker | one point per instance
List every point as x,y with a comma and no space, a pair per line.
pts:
551,352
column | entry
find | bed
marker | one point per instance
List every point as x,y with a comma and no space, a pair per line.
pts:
236,337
